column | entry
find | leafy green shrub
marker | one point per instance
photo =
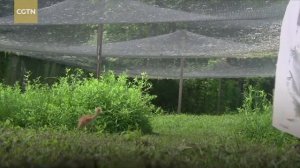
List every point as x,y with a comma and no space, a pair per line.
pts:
256,118
255,101
126,104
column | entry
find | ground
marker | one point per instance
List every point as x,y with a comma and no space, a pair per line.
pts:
177,141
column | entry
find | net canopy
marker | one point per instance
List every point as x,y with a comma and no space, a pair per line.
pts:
195,68
216,39
178,44
104,11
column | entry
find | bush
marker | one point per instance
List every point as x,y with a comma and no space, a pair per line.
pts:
126,104
256,118
255,101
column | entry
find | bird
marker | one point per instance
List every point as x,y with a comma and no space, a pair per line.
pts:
86,119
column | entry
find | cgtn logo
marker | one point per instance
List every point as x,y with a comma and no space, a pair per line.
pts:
25,11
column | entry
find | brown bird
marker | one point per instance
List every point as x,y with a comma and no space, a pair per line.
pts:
86,119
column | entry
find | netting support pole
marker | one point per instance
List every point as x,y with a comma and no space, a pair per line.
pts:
23,72
99,49
180,86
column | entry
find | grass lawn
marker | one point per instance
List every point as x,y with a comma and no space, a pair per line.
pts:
178,141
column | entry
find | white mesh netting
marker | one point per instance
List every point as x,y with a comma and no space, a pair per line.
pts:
216,39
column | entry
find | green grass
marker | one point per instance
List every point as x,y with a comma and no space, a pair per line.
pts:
177,141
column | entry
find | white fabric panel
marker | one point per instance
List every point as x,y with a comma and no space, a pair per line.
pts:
286,114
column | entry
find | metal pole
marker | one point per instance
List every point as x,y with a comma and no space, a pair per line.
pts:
182,48
99,49
180,86
23,73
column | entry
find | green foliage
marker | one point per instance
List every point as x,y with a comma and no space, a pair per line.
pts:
200,96
180,141
3,64
126,104
256,118
255,101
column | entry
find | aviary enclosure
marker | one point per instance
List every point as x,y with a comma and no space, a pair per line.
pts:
211,49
